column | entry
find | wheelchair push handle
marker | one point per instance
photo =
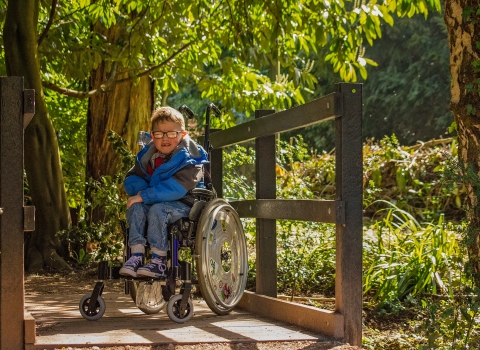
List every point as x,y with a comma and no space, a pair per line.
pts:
186,111
211,107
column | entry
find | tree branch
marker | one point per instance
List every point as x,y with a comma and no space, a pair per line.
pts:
49,23
430,143
110,82
73,93
154,68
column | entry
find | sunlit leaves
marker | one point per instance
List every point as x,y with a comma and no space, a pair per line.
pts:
227,43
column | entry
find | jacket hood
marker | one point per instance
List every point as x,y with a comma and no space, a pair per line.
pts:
187,150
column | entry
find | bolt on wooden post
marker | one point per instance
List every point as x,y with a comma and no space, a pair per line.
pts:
17,107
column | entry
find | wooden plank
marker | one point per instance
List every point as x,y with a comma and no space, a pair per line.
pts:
348,177
321,109
29,325
326,322
292,209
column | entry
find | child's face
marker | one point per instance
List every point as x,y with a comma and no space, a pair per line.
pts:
165,144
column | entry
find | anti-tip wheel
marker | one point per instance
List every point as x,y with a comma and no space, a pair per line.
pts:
147,296
99,308
222,259
173,309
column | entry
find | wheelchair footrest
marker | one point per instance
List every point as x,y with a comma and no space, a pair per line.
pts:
161,280
106,272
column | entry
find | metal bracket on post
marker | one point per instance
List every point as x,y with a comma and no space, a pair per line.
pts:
29,218
28,106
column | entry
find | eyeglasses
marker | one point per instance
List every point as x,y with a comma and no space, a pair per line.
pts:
161,134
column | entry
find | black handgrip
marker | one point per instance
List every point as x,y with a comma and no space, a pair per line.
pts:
186,111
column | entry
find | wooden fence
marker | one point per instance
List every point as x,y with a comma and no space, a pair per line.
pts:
345,106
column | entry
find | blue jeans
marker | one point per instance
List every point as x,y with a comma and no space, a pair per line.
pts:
154,220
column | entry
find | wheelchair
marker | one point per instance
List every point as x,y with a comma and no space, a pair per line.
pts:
213,236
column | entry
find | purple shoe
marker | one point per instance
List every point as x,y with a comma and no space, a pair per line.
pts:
131,266
156,268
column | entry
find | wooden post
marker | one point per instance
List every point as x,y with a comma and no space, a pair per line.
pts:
14,114
216,168
348,173
266,244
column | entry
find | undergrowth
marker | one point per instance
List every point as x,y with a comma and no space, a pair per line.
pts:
414,266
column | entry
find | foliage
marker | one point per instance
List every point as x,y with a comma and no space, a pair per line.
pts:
255,54
404,258
412,178
69,118
457,172
107,235
408,94
306,258
107,196
82,257
237,173
452,323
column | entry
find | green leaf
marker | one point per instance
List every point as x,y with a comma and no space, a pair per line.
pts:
471,110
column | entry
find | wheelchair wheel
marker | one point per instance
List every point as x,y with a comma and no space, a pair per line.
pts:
221,251
147,296
99,308
173,309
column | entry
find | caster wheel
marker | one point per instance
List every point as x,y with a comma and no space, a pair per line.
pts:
99,308
173,309
222,259
147,296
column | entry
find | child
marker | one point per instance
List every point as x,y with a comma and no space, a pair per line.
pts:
165,170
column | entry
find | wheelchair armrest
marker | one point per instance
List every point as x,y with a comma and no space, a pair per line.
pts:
203,192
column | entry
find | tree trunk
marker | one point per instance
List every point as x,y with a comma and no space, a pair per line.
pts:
42,160
125,108
464,40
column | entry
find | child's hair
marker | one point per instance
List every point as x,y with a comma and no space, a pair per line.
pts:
169,114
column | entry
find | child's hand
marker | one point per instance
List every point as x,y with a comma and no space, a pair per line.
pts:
134,199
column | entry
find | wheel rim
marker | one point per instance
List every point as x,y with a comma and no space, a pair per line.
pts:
224,256
91,313
176,308
149,297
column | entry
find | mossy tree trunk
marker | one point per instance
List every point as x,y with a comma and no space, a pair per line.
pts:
463,25
42,161
125,108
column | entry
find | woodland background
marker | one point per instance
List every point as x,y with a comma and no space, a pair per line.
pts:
100,67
